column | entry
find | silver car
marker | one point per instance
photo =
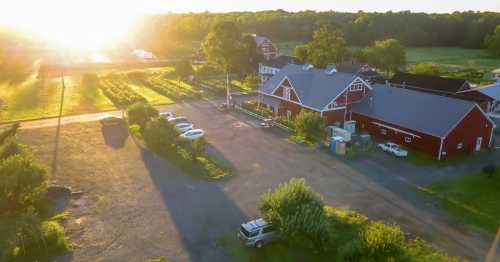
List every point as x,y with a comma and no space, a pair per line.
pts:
257,233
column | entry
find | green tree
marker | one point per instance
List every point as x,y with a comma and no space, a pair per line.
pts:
183,69
298,213
310,125
11,147
22,181
159,134
425,68
249,56
141,113
493,42
388,55
196,147
327,46
252,81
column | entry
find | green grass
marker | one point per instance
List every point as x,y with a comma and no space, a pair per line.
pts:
36,98
474,199
452,59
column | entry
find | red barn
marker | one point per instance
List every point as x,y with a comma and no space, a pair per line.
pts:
328,92
439,125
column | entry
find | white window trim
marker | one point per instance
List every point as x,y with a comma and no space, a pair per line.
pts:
396,129
408,139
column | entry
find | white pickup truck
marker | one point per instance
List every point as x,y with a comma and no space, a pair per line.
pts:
394,149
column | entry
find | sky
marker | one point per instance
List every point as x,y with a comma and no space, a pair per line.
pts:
93,23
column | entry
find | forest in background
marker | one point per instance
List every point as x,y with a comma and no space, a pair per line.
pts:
170,33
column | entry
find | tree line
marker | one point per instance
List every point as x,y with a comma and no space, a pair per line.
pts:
459,29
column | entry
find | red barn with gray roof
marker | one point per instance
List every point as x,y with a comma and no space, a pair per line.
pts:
439,125
298,87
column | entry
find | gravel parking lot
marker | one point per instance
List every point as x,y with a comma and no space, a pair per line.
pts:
137,206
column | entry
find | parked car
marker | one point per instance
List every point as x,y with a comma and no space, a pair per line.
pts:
178,120
193,134
257,233
394,149
184,127
167,115
110,120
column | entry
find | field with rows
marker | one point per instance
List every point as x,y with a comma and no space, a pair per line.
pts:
90,93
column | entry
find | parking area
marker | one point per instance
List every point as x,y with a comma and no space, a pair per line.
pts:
137,206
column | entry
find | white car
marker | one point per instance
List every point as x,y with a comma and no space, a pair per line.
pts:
178,120
184,127
394,149
193,134
167,115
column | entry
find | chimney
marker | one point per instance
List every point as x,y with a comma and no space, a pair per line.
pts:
387,83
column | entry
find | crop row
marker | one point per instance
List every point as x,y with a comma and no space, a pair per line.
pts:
119,92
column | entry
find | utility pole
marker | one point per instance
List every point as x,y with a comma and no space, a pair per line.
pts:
228,91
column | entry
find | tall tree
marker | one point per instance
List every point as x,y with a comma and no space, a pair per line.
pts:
328,46
493,42
388,55
183,69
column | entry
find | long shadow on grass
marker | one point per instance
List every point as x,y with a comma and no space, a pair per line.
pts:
201,210
115,135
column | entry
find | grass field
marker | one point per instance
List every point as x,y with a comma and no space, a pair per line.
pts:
450,59
38,98
474,199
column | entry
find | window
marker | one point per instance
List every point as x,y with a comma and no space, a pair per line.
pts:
267,230
383,131
357,86
460,145
286,92
408,139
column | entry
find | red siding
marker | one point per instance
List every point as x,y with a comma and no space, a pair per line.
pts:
334,116
352,97
279,92
424,142
474,125
289,106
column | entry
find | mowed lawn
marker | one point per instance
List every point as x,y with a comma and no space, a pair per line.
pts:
474,199
450,59
37,98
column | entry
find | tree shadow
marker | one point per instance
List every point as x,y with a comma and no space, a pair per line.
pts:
201,210
115,135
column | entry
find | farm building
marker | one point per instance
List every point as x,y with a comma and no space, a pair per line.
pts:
438,125
365,71
453,87
272,66
493,92
328,92
265,46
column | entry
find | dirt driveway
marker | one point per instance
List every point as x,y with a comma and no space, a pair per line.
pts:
137,206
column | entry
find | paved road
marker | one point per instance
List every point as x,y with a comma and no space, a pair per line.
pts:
139,206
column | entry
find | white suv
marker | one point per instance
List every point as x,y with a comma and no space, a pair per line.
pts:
256,233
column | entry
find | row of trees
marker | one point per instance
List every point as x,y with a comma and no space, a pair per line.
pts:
462,29
328,46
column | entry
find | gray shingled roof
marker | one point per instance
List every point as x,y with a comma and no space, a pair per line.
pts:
314,87
492,90
423,112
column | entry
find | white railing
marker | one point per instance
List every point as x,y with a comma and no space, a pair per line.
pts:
250,113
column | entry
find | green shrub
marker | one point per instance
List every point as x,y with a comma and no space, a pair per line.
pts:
382,241
8,132
417,250
207,70
22,180
37,239
297,212
252,82
141,113
11,147
310,125
159,135
196,147
160,259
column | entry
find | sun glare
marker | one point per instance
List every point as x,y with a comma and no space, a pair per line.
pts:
85,25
